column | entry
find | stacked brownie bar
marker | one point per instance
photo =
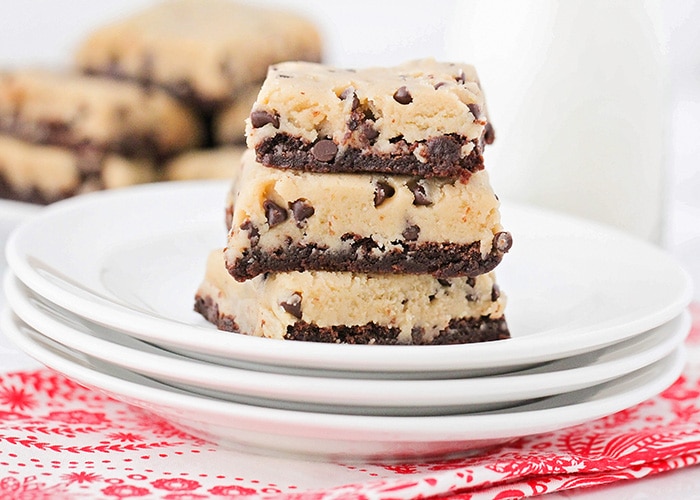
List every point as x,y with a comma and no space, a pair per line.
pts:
211,54
62,134
362,212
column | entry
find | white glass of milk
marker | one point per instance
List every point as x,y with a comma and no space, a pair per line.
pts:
577,93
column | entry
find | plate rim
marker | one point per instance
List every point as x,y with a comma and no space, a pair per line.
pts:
338,390
531,349
499,424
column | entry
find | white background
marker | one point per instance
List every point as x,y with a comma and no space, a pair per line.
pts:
361,33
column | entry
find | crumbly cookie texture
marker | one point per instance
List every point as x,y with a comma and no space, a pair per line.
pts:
229,122
44,174
354,308
217,163
204,51
423,118
286,220
78,111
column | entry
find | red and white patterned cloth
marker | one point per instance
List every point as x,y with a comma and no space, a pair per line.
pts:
59,441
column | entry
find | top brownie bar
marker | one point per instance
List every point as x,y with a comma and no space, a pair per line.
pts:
423,118
203,51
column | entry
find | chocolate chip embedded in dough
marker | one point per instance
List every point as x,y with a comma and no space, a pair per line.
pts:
350,92
411,233
261,118
461,77
495,292
368,131
403,96
382,191
475,110
502,242
293,305
253,233
444,282
489,134
274,213
324,150
301,210
439,84
420,197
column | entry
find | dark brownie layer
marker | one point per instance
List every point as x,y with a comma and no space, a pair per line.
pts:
61,134
208,308
8,192
459,330
182,90
443,157
442,260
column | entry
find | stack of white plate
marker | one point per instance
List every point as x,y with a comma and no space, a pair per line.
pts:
101,288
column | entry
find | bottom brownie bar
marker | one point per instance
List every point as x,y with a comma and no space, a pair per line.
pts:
354,308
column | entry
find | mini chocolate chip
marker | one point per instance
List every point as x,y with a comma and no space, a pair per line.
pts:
403,96
411,233
461,77
444,282
261,118
382,191
431,298
489,134
420,197
495,293
472,297
475,110
324,150
368,131
274,213
253,233
293,305
502,242
439,84
350,92
301,209
471,281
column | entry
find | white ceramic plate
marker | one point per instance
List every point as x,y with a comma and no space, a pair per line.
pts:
131,259
344,395
338,436
11,214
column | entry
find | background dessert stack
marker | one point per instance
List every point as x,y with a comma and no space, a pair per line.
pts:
63,133
362,212
159,95
212,55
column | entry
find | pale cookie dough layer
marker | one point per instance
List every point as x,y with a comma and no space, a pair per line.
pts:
354,308
286,220
74,110
229,122
201,50
422,118
219,163
44,174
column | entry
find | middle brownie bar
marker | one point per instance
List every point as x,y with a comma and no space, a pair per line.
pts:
286,220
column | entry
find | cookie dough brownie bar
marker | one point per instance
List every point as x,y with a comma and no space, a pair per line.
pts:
354,308
423,118
203,51
287,220
44,174
94,114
